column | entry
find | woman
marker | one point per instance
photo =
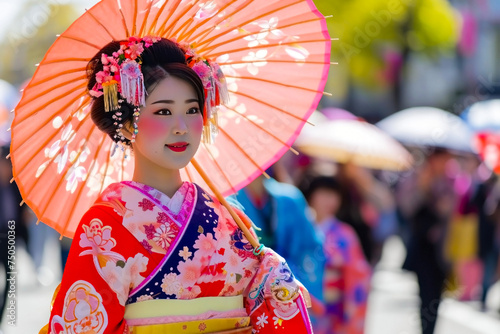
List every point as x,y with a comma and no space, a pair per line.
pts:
347,274
155,254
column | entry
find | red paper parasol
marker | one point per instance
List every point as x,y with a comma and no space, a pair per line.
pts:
275,55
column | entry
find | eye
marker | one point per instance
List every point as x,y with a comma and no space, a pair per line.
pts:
193,110
163,112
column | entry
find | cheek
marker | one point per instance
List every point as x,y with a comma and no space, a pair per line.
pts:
196,126
152,126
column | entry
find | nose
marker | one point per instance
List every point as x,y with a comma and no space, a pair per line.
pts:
180,126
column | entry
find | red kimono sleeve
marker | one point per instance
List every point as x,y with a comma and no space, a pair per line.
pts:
104,263
274,300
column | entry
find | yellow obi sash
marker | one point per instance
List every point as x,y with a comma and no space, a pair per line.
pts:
199,315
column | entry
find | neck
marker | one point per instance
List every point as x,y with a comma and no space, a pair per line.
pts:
321,218
168,182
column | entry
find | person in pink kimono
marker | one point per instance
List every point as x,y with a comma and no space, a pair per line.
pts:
155,254
346,280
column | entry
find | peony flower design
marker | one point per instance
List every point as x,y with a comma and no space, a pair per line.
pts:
96,236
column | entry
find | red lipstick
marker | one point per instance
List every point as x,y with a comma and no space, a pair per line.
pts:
178,147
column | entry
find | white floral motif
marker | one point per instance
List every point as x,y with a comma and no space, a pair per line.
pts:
121,280
297,52
163,236
207,10
262,320
59,146
77,173
253,60
171,285
268,31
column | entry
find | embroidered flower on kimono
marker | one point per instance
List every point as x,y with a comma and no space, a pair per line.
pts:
224,230
189,272
162,218
113,275
122,279
150,231
284,310
202,327
146,204
190,292
164,235
262,320
277,321
134,267
233,265
185,253
205,244
144,297
99,239
171,285
87,325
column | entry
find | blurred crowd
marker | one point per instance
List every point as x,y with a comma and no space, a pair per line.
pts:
445,209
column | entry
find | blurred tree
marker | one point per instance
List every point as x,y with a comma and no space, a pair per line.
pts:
375,37
30,35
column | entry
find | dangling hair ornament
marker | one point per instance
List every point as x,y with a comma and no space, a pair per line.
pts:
121,80
214,84
110,89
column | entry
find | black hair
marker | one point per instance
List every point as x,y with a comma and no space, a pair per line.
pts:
322,182
159,61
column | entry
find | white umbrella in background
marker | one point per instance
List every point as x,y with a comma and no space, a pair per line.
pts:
354,141
483,116
428,126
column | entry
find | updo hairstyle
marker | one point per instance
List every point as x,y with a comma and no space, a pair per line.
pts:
159,61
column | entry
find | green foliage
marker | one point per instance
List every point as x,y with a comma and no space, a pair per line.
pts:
368,29
29,37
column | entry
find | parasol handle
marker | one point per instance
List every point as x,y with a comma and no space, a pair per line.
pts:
254,242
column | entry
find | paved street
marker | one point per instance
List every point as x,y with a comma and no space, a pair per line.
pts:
392,309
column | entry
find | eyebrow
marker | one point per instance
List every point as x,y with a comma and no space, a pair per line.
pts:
173,102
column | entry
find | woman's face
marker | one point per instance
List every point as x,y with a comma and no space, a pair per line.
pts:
170,127
325,203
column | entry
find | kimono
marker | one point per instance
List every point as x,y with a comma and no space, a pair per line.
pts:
346,280
142,262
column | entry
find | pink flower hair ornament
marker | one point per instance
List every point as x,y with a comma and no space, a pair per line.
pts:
122,79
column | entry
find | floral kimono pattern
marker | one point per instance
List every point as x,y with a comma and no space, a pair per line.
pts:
346,280
136,245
